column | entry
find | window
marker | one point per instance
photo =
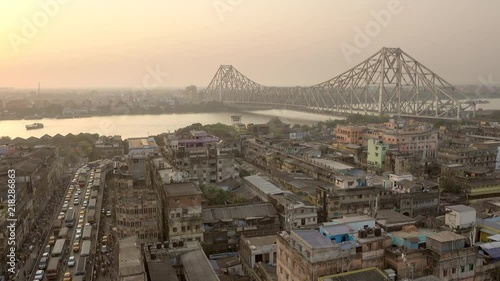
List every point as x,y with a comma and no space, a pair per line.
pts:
445,272
174,229
462,268
471,267
453,270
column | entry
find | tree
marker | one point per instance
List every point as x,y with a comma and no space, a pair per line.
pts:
214,194
449,182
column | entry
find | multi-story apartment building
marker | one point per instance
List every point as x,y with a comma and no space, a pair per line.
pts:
38,174
255,249
206,159
182,218
308,255
137,212
138,151
376,153
474,156
450,258
350,134
223,225
107,147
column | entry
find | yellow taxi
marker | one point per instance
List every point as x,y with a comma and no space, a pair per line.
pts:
52,240
67,276
76,247
82,212
105,239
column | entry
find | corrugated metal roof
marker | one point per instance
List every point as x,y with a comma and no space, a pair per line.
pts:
445,236
262,184
215,214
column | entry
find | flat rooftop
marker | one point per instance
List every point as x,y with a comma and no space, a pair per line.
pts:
461,208
332,164
137,143
260,240
179,189
197,267
445,236
313,237
366,274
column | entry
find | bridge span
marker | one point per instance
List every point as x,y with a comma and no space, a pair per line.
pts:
389,82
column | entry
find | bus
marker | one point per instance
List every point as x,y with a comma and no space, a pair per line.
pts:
58,247
91,215
81,181
95,193
87,232
53,268
95,184
63,233
85,248
92,203
70,218
80,266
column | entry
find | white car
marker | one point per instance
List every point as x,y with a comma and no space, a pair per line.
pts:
39,275
45,255
78,236
78,230
108,214
76,201
85,203
71,261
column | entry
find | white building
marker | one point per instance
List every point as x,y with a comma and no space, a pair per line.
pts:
460,216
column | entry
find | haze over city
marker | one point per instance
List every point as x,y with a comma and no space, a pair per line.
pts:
116,43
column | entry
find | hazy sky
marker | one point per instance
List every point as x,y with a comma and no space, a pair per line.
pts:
91,43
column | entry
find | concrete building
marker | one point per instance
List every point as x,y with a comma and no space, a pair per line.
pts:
371,273
137,212
308,255
108,147
178,261
460,216
130,261
450,258
293,212
38,173
376,153
182,219
206,158
350,134
257,249
223,225
138,151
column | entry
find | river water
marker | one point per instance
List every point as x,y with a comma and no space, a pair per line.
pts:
143,125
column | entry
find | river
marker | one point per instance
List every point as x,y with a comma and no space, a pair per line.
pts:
143,125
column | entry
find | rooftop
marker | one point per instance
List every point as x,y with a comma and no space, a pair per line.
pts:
445,236
313,237
331,164
240,211
179,189
386,217
137,143
461,208
197,267
371,273
263,185
260,240
130,261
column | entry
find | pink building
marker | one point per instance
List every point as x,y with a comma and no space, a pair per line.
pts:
350,134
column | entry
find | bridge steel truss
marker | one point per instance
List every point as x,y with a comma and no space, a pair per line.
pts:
389,82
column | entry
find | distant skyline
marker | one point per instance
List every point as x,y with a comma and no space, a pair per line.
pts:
150,44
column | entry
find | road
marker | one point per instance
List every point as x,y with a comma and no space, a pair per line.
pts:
86,189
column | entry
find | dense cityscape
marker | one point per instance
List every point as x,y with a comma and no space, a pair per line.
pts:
134,146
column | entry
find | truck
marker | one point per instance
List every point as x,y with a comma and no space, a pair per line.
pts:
81,181
92,203
96,184
69,220
91,215
85,248
95,193
63,233
87,232
53,268
58,247
80,266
